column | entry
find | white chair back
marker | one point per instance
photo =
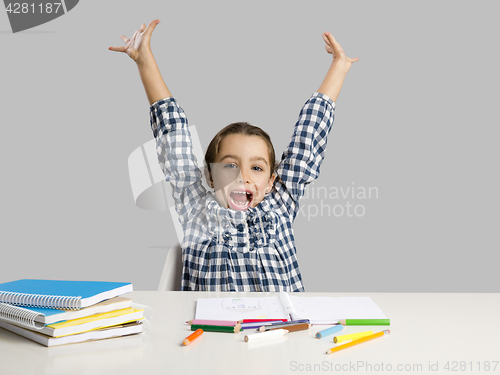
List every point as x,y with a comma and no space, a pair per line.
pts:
152,192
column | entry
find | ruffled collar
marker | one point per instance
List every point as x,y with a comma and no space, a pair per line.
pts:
253,227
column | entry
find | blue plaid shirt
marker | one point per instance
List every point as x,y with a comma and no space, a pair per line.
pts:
252,250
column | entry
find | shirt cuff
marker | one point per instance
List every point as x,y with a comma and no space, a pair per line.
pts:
158,103
325,98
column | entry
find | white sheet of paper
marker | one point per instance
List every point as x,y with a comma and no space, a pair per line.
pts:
239,308
328,310
319,310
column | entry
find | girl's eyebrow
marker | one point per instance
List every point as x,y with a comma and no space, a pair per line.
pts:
230,157
260,158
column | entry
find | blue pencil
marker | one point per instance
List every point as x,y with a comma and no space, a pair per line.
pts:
330,331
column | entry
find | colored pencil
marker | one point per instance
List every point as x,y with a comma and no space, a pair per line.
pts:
289,327
358,341
206,328
329,331
352,336
207,322
367,322
259,324
266,335
193,336
261,320
293,322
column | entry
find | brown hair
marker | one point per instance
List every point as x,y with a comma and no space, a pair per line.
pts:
243,128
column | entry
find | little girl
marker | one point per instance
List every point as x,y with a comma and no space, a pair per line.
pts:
239,237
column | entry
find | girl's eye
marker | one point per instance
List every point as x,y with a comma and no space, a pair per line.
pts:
231,166
257,168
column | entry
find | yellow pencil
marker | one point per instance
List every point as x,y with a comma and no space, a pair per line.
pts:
352,336
358,341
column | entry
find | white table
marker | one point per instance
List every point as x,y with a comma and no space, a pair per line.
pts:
431,329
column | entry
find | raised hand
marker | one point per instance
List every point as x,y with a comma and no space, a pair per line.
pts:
337,52
334,79
139,49
139,46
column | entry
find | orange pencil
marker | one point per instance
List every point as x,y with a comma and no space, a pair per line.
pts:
193,336
358,341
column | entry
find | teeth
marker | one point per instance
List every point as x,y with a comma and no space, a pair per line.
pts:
241,192
238,204
240,199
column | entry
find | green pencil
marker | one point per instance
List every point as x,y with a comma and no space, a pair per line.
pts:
207,328
367,322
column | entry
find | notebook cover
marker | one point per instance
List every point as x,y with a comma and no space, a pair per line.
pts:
53,315
116,331
64,288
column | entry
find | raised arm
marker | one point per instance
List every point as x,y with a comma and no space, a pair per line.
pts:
301,161
334,79
139,49
169,125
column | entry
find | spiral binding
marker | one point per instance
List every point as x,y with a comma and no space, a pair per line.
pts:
38,300
19,316
148,311
148,315
146,325
23,317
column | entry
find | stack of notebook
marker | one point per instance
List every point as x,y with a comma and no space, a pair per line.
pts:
57,312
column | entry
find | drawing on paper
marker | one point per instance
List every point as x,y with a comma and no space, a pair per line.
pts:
241,305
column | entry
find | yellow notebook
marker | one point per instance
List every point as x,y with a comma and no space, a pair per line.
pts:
93,322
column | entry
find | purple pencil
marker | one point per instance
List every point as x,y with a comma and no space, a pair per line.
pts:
256,325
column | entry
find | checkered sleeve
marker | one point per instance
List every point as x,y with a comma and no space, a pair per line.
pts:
175,155
301,161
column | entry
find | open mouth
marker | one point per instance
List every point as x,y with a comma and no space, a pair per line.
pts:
240,199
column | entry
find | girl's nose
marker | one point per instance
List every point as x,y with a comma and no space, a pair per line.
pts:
243,178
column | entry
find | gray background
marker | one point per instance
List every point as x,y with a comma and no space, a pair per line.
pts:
416,119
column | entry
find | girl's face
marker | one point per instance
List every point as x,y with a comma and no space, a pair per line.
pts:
241,174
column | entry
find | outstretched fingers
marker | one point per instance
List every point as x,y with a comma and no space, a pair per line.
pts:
122,48
143,33
118,49
334,48
149,30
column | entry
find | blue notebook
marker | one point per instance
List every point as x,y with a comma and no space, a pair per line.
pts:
60,294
